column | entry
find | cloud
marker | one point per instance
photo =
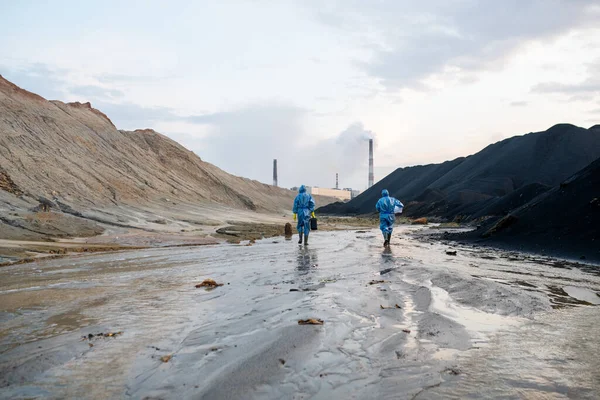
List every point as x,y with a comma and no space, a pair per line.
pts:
590,85
128,115
519,103
581,97
55,83
585,90
38,78
409,42
91,92
123,78
345,153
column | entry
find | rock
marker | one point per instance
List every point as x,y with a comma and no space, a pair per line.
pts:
288,230
311,321
209,284
451,252
166,359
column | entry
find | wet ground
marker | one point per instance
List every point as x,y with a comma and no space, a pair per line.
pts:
478,324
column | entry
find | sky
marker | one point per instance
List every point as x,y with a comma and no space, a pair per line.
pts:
307,82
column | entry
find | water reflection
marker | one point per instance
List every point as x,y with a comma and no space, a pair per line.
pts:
307,259
387,256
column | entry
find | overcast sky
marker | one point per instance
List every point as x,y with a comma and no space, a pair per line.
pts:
307,82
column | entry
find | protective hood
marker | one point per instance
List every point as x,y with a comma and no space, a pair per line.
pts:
302,189
385,193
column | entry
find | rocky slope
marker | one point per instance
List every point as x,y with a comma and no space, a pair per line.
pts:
486,181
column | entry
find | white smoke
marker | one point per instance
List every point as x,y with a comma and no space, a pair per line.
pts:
346,153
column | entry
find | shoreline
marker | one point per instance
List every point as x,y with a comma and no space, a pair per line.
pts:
582,255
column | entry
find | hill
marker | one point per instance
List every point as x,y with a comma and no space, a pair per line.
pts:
70,158
466,187
564,221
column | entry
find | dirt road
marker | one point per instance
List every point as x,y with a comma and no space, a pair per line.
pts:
408,322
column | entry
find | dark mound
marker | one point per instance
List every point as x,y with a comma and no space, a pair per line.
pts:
521,196
465,187
564,221
404,183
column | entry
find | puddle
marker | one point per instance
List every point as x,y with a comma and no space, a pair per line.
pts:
472,319
582,294
560,298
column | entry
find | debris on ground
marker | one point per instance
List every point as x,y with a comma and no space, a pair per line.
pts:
406,330
282,361
419,221
209,284
90,336
385,308
303,290
311,321
166,359
452,371
374,282
451,252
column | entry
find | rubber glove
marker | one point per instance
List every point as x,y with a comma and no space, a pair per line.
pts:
294,217
312,214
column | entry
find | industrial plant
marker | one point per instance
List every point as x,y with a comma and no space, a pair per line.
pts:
345,194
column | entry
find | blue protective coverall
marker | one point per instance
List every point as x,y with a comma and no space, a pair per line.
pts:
386,206
304,205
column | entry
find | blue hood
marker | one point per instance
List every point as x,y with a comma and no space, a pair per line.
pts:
385,193
302,189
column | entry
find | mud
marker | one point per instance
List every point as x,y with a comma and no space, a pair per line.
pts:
480,324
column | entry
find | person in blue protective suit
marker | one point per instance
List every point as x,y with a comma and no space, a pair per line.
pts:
304,209
386,207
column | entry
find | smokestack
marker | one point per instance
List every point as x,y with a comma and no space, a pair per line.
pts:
371,175
336,181
275,172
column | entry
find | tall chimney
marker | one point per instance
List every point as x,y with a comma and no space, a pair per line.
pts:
275,172
336,181
371,175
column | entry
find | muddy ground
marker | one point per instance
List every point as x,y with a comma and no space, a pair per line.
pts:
478,324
